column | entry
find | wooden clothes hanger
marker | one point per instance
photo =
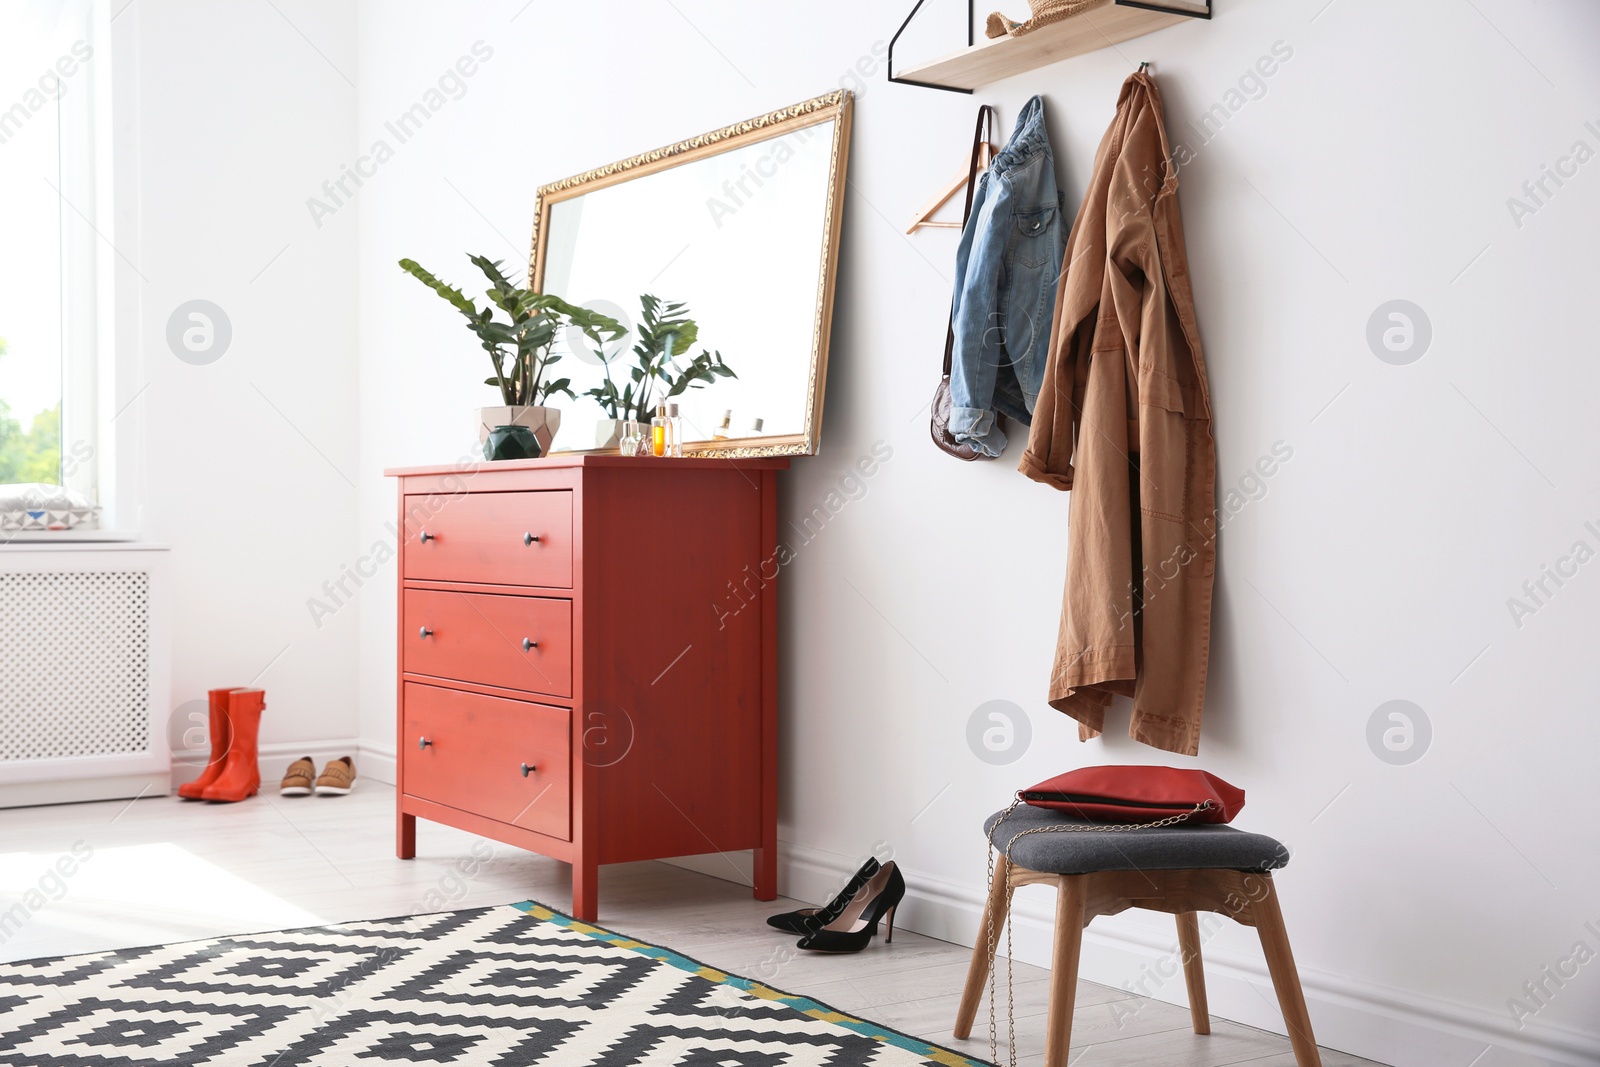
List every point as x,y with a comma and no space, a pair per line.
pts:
924,218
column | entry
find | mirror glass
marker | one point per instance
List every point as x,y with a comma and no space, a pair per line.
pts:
742,234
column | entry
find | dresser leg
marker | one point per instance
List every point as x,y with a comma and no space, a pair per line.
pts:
766,872
405,836
585,892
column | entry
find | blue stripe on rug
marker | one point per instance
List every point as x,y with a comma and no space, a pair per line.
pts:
805,1005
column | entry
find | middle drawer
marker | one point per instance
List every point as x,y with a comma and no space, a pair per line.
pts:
515,642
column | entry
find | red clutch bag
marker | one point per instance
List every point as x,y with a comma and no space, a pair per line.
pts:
1138,794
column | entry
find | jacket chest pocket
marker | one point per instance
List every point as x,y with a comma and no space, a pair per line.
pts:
1035,237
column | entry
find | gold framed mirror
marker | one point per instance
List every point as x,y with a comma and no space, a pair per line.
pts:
741,226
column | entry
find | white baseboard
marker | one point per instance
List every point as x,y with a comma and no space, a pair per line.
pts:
78,790
1391,1026
377,761
730,867
272,759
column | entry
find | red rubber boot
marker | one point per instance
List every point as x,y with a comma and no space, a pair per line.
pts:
241,774
218,699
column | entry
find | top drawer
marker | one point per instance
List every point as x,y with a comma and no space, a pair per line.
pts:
491,538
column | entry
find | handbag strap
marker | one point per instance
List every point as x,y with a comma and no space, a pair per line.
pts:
988,920
983,132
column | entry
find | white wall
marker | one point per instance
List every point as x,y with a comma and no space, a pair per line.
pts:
228,118
1377,565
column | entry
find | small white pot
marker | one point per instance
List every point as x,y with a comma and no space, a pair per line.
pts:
544,422
607,433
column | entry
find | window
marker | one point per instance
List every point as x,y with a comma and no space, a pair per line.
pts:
49,192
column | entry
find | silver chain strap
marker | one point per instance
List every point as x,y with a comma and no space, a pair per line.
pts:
988,919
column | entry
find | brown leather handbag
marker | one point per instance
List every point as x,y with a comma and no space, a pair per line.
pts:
939,424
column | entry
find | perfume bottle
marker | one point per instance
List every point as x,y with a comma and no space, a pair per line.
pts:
755,427
674,431
723,431
633,435
660,432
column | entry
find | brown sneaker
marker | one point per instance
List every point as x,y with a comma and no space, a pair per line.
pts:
297,779
337,778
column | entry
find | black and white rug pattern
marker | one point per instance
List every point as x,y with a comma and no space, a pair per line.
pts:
509,986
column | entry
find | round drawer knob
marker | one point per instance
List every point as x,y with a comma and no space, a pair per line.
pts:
422,743
529,539
424,632
527,769
425,537
528,644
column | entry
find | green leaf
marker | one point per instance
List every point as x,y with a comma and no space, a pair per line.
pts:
455,296
537,332
492,270
533,303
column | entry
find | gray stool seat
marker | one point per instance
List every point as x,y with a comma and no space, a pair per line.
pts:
1181,870
1168,848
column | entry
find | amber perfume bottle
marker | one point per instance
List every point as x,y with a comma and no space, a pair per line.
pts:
660,432
725,430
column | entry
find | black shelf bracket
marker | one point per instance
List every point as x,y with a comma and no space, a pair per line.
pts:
1142,5
1166,10
912,81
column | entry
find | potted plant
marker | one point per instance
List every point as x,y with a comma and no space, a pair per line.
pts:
664,329
521,349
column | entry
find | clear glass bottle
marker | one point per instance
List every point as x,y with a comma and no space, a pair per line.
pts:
755,427
633,435
724,431
660,432
674,431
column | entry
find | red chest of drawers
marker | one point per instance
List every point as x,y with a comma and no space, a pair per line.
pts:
588,659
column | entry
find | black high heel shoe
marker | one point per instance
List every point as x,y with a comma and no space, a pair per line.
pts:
809,920
857,925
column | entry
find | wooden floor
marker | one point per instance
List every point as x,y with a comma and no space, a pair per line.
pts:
161,870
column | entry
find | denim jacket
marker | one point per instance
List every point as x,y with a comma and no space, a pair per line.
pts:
1007,266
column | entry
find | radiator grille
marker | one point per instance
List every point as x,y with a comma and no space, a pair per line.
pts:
74,664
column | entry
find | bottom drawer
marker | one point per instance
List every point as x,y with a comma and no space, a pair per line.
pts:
469,752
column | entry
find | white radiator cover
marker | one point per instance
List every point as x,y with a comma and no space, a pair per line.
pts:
85,672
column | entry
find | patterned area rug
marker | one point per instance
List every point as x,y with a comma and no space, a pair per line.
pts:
491,987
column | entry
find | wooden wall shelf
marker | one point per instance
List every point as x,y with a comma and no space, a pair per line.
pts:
991,60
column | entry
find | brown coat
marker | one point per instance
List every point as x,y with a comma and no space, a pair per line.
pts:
1124,420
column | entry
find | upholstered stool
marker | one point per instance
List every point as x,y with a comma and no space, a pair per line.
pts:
1181,869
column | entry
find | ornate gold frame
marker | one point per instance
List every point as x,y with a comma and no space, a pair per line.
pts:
833,106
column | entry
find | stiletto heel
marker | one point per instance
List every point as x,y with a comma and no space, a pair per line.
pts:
855,927
889,938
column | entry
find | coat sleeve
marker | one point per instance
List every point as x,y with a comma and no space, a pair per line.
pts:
1052,434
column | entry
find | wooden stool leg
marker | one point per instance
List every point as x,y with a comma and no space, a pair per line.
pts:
994,912
1285,978
1194,974
1072,891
